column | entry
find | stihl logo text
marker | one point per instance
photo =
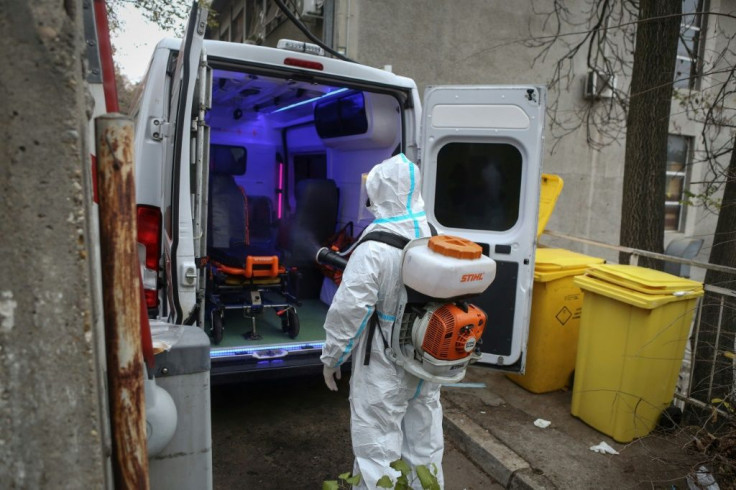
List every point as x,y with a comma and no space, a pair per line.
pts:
471,277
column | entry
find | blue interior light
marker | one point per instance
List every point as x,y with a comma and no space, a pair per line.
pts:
340,90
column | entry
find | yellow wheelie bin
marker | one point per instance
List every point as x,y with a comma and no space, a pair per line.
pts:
634,326
555,320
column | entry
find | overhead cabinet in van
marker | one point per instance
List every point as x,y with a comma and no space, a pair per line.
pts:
249,159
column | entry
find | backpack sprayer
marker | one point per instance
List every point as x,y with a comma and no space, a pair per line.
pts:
437,333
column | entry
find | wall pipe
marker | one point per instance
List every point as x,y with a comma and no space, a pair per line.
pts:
121,299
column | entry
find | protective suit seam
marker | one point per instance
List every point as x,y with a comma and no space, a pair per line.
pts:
419,388
403,217
384,316
349,347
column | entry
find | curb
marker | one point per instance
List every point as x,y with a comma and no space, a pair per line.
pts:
493,456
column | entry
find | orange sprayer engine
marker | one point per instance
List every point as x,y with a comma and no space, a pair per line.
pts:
438,340
451,333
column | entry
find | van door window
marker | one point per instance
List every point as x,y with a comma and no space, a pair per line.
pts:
478,186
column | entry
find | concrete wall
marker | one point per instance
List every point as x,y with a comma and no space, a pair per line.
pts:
50,433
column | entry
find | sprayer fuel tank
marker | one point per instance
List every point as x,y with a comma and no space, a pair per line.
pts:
447,266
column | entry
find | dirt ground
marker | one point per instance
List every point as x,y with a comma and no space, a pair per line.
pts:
661,460
294,434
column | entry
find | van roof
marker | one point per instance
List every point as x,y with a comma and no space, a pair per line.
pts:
275,56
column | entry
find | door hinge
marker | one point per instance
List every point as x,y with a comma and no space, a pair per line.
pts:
159,129
189,274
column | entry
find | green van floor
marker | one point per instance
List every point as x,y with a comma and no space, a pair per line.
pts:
268,325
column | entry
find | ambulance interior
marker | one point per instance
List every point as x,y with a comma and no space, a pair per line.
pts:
297,150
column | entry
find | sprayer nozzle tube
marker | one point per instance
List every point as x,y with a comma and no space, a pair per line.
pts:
326,256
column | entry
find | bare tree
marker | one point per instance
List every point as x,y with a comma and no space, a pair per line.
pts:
605,33
166,14
713,376
126,91
647,126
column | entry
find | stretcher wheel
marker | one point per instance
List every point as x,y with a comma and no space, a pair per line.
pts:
290,323
217,327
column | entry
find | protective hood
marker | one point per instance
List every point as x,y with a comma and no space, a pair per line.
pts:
393,188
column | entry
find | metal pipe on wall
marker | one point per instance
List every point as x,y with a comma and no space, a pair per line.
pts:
121,298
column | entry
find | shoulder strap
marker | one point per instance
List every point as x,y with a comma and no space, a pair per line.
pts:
393,240
386,237
372,327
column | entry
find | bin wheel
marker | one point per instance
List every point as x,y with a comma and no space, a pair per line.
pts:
290,323
217,327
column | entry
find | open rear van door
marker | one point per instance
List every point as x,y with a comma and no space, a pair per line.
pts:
186,156
481,170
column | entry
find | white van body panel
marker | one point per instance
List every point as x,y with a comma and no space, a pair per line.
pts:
510,118
178,242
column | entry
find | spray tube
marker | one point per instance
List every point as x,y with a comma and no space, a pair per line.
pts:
325,256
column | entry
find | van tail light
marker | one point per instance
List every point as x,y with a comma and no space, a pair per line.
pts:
149,235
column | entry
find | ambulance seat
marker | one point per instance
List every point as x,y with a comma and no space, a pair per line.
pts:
243,270
228,234
261,223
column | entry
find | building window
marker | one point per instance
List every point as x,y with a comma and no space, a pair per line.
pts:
687,67
678,160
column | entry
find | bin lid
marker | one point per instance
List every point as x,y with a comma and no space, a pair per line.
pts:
638,286
554,263
644,280
550,190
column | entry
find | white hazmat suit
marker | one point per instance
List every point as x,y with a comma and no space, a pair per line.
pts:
393,413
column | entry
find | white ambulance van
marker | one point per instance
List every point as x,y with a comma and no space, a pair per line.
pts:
249,159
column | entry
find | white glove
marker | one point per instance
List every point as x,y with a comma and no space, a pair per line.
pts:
330,374
603,448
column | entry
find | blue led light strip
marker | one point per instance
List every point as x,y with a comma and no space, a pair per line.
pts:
244,351
297,104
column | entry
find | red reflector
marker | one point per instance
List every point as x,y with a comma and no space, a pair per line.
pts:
312,65
149,234
151,298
